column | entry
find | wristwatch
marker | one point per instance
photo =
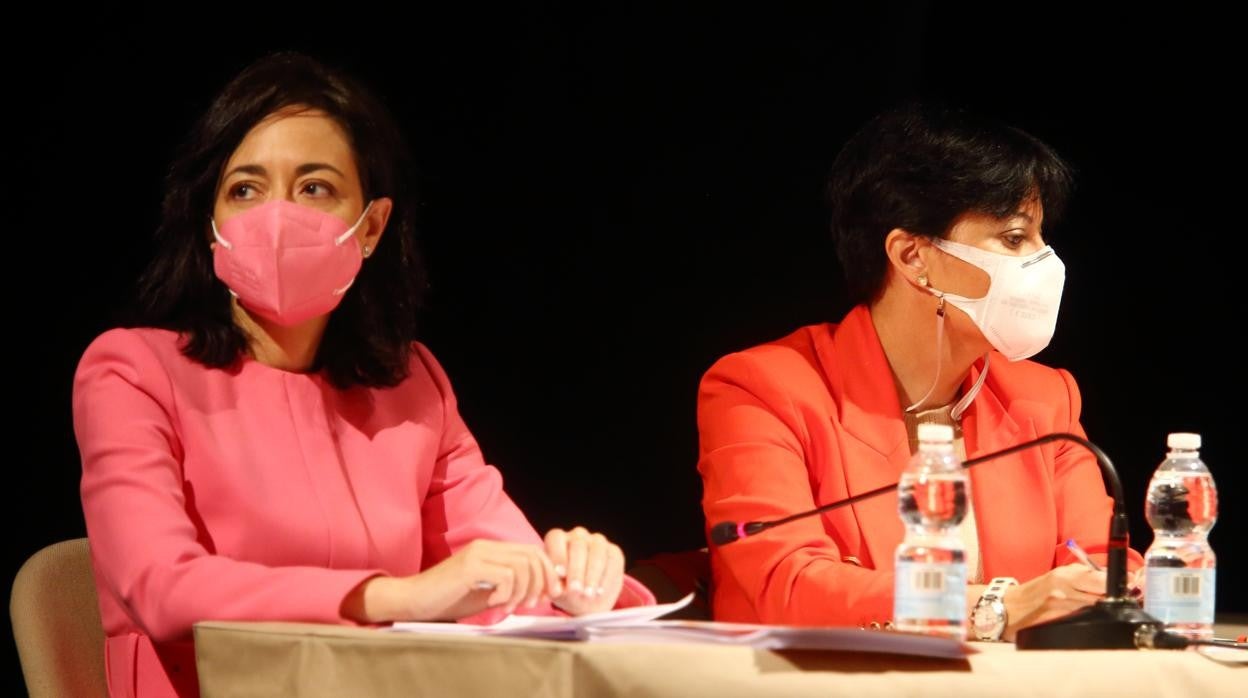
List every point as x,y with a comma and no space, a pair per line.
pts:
988,618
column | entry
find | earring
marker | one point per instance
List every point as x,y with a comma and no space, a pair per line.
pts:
367,250
922,278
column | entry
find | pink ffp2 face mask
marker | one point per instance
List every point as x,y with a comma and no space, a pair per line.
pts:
286,262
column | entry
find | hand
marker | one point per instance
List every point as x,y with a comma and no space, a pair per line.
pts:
1053,594
483,574
592,567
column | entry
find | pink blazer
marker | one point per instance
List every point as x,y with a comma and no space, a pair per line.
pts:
259,494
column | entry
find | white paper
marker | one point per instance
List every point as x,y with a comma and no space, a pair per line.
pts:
1225,655
550,627
776,637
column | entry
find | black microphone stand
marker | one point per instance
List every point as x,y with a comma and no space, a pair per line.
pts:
1114,622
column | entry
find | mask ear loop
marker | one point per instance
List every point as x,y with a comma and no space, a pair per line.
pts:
965,402
217,234
940,335
347,236
351,231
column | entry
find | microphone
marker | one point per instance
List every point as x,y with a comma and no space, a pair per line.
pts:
1111,623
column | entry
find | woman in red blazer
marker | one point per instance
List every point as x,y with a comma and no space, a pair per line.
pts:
938,221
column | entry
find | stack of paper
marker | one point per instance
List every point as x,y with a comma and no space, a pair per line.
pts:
639,624
777,637
550,627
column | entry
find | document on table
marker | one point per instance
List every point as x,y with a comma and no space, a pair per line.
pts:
550,627
780,637
640,625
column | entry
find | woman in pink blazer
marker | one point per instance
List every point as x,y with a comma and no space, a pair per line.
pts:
272,443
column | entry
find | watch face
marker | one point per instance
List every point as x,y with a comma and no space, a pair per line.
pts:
988,621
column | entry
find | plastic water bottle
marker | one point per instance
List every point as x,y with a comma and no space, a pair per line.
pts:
930,587
1182,506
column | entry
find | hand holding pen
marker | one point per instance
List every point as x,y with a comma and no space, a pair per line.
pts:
1135,590
1082,555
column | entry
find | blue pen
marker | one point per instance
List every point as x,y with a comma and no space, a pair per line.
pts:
1079,553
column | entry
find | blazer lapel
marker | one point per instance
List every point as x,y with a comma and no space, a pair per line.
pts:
1001,489
874,451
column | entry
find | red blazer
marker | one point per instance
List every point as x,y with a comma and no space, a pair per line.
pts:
815,417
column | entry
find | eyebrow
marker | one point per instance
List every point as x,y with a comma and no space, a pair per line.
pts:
246,169
1023,214
308,167
305,168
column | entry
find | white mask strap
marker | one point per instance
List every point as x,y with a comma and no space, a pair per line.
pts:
965,402
217,234
347,235
940,334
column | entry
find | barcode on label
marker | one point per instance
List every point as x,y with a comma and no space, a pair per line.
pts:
928,580
1186,585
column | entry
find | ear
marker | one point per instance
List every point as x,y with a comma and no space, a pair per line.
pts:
375,224
906,252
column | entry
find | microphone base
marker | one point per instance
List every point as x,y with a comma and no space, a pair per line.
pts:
1110,624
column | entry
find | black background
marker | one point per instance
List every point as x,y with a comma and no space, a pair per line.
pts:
615,198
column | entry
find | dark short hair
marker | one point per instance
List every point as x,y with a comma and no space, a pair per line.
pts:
369,336
920,167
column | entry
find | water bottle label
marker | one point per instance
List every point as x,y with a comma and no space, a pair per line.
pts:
1180,594
930,591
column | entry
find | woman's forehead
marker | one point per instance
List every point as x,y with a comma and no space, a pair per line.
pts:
293,136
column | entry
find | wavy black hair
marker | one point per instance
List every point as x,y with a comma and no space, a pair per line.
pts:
919,167
369,335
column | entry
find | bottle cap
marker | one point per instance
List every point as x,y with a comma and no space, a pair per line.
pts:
1183,440
935,432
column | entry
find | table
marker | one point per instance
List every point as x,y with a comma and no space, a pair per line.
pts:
296,659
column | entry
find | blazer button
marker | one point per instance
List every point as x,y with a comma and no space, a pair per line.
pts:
875,625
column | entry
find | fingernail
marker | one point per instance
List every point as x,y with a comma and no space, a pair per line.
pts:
531,603
561,571
601,591
557,589
591,592
575,585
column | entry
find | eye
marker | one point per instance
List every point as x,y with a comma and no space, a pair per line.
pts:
317,190
1013,241
242,192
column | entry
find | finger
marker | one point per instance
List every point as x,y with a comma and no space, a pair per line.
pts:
577,553
595,564
501,576
518,561
557,550
553,584
613,577
1064,601
537,579
1092,583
